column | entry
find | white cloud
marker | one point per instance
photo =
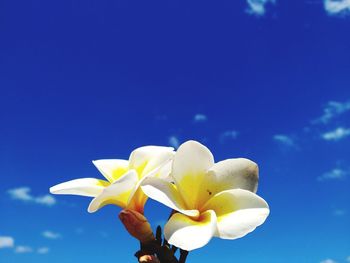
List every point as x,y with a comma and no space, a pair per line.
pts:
331,110
45,200
339,212
348,259
43,250
257,7
6,242
336,135
9,242
51,235
334,7
328,261
228,135
23,249
335,174
174,141
284,139
23,194
200,118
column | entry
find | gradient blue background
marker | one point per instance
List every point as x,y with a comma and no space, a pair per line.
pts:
86,80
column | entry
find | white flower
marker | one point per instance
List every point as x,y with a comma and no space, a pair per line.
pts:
122,187
212,199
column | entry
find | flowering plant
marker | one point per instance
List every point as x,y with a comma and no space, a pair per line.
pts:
207,199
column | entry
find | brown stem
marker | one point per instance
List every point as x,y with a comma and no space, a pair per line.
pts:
183,256
155,252
158,250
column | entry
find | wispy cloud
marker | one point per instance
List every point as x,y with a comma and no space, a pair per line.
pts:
174,141
335,174
328,261
257,7
43,250
334,7
336,135
200,117
6,242
23,194
228,135
348,259
51,235
45,200
9,242
284,140
332,110
339,212
23,249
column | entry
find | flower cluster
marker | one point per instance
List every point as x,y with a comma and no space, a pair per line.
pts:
208,199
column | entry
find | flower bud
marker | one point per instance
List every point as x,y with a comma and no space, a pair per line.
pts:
137,225
148,259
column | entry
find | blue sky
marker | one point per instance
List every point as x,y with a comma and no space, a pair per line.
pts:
86,80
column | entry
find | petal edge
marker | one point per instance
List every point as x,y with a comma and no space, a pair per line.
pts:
188,234
238,212
90,187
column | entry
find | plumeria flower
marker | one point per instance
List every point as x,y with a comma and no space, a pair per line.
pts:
122,187
210,199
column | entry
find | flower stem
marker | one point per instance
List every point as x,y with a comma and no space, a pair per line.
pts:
183,256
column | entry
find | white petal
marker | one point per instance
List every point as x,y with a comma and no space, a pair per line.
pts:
147,158
161,171
188,234
191,162
165,170
137,198
116,193
84,187
231,174
238,212
166,193
112,169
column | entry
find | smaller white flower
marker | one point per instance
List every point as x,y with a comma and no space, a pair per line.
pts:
124,177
